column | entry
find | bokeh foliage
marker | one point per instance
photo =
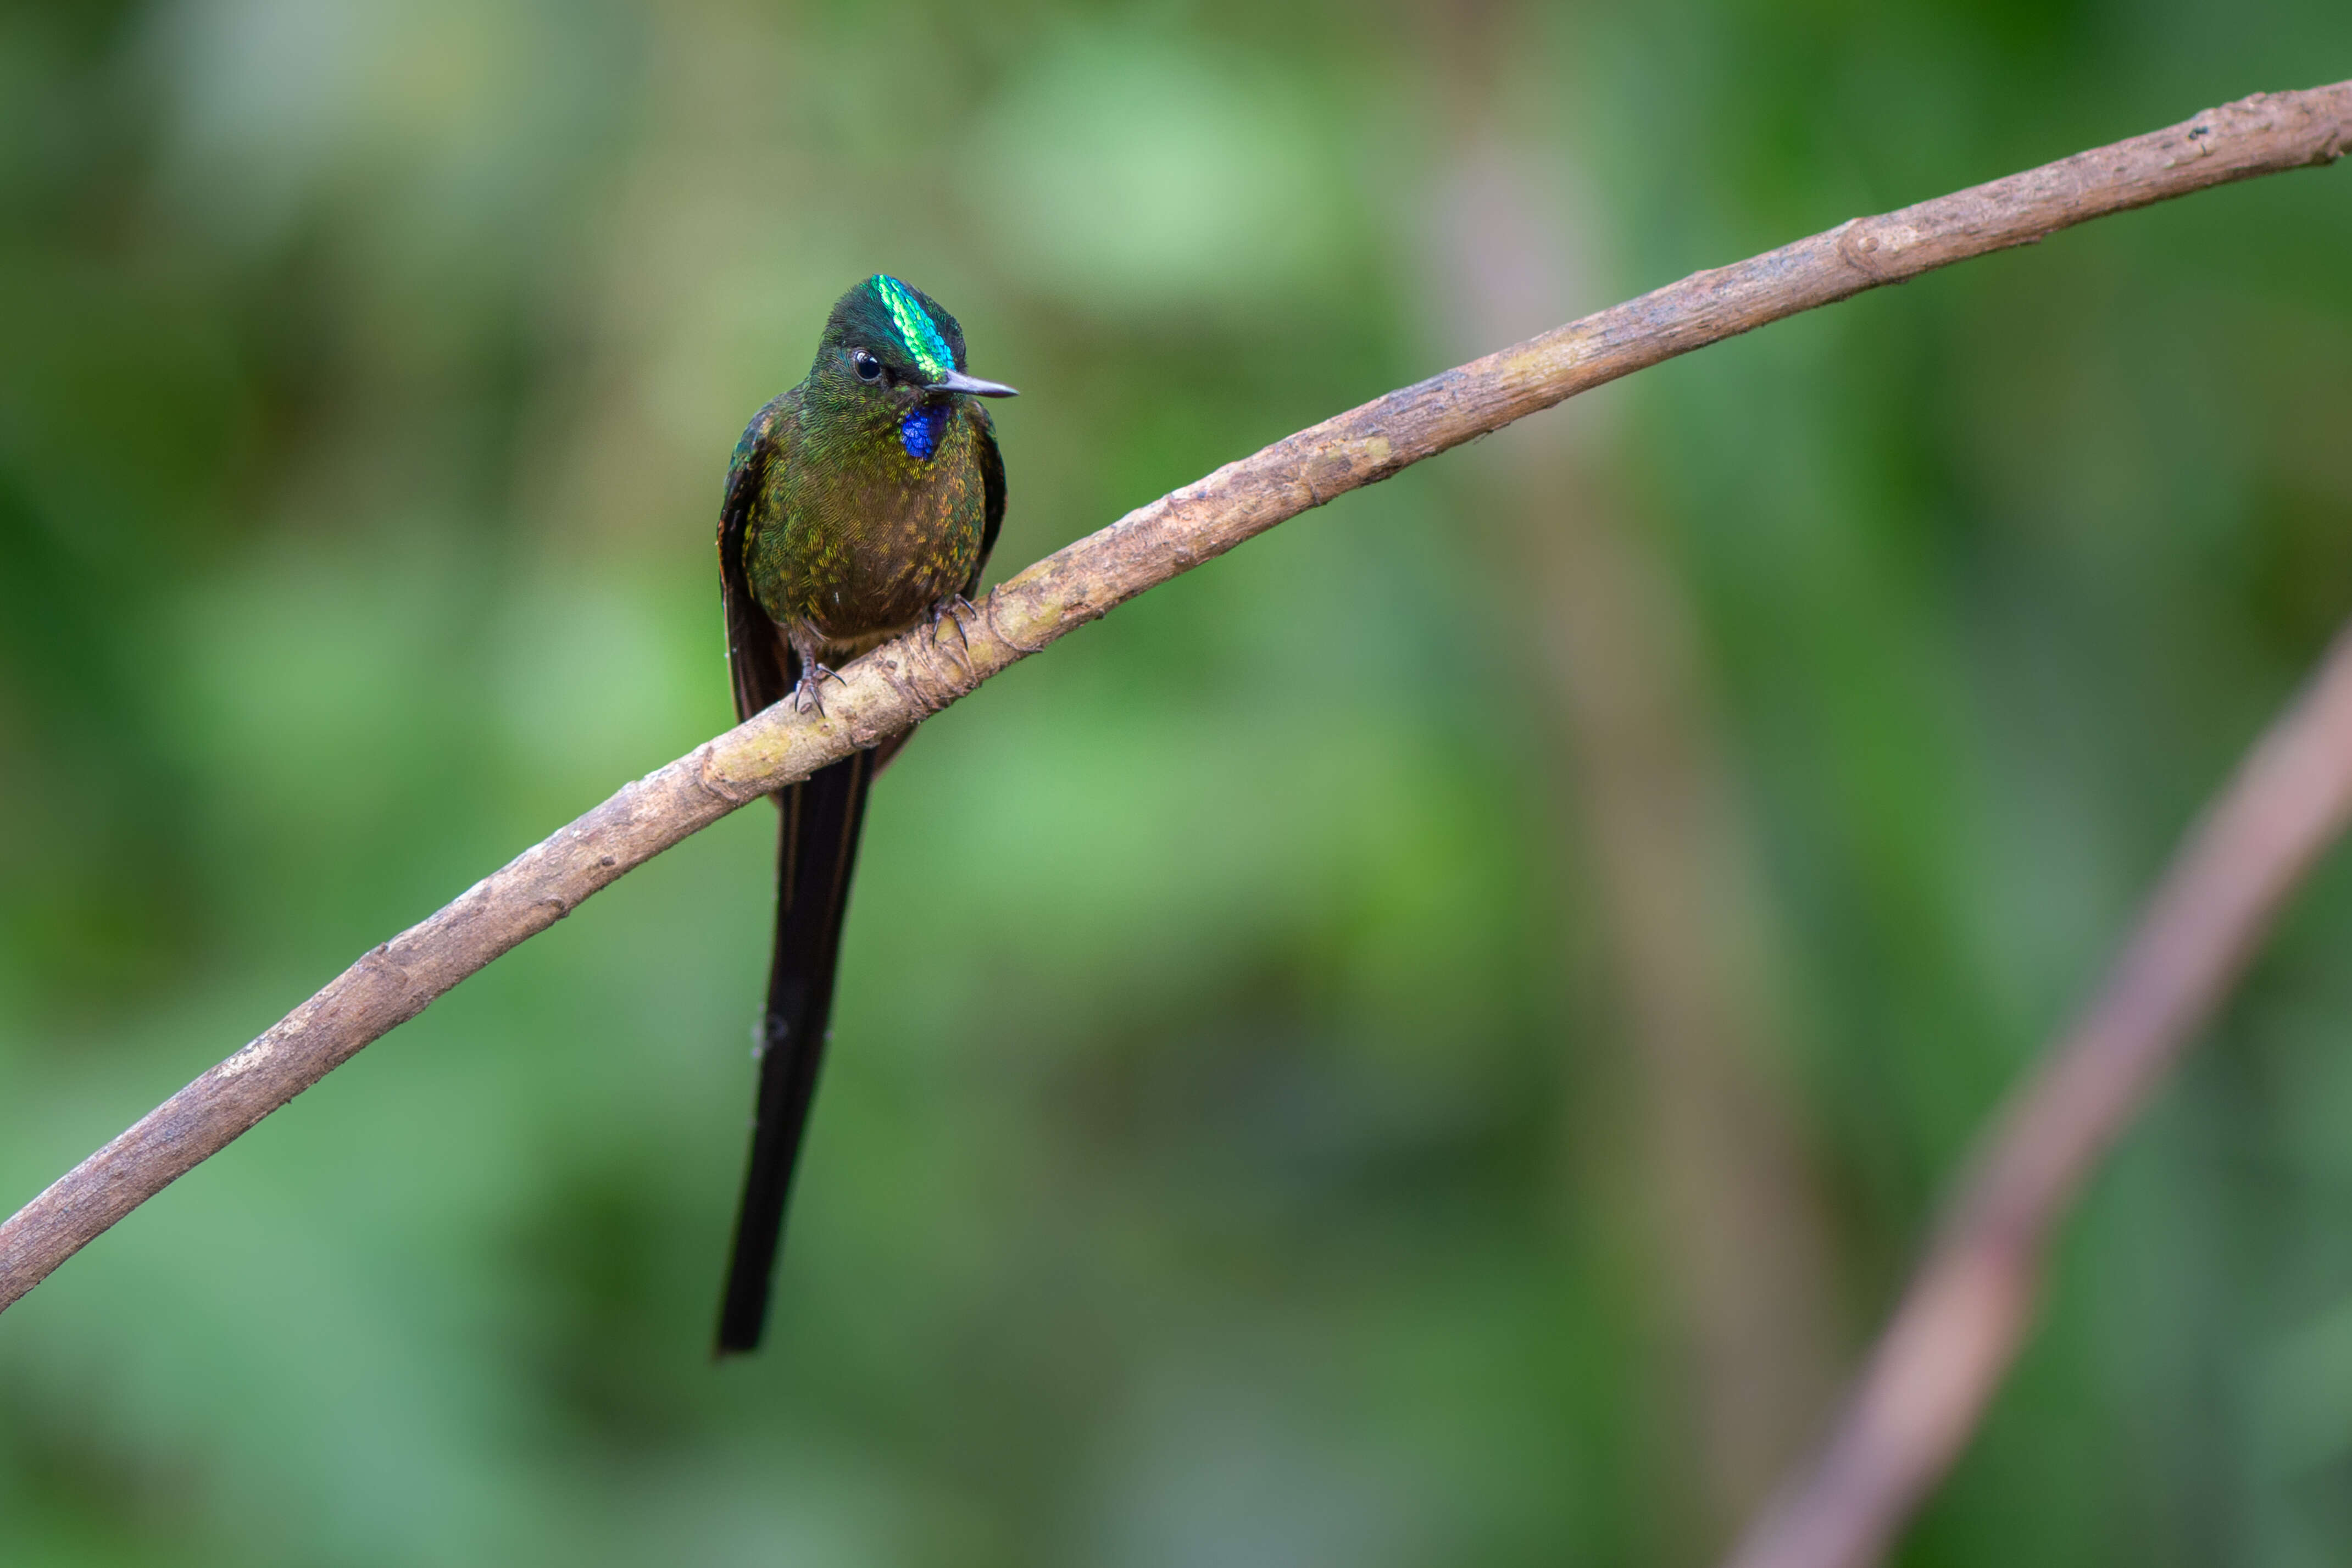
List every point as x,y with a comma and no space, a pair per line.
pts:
1222,1158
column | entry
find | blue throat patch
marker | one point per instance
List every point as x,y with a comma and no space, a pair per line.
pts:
920,430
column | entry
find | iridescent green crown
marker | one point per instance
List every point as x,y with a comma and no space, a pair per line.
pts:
918,334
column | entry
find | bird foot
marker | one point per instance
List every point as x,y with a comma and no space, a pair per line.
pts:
810,693
952,609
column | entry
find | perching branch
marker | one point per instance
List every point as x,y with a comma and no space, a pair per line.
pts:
1967,1311
905,680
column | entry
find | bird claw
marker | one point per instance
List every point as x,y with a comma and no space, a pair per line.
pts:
953,608
810,691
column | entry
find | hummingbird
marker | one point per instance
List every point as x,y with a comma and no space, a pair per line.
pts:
860,504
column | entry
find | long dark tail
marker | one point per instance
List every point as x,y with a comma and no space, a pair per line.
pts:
816,850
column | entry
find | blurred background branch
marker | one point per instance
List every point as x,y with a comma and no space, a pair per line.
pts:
1961,1322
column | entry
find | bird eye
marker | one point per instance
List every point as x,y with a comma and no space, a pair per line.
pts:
869,367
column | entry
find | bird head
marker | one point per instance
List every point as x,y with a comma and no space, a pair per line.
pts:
888,342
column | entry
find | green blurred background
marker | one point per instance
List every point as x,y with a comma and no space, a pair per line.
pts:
1430,1040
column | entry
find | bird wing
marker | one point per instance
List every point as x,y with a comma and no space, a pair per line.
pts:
992,479
759,661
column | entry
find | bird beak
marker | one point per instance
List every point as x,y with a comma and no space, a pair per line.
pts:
970,385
